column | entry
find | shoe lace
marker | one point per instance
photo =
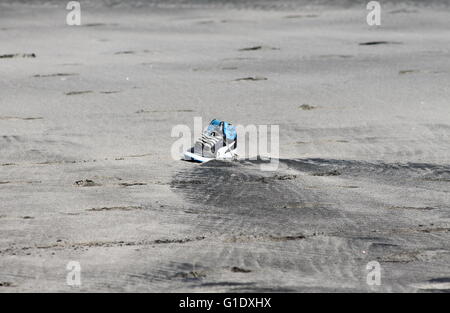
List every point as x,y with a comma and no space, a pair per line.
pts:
209,140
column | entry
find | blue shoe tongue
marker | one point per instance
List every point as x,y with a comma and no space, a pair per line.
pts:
214,127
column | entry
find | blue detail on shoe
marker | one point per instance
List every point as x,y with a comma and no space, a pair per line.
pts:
228,129
214,126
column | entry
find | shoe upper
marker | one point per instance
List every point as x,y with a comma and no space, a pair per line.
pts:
218,134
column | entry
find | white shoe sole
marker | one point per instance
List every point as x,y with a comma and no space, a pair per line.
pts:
222,154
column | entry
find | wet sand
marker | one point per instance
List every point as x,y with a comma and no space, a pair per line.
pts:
86,172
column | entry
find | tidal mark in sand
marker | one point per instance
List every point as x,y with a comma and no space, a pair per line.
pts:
251,78
307,107
229,68
302,16
286,238
268,238
17,55
330,173
193,275
138,155
408,72
86,183
20,118
255,48
412,208
125,52
374,43
403,11
99,24
100,244
237,59
446,180
116,208
132,184
267,180
55,75
401,257
236,269
341,56
109,92
75,93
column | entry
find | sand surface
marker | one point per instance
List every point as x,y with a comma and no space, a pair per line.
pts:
86,173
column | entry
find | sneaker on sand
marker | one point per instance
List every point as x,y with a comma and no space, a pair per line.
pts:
218,141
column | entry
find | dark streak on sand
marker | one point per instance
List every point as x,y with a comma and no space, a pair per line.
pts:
403,11
99,24
86,183
100,244
255,48
330,173
109,92
236,269
75,93
17,55
193,275
117,208
125,52
20,118
132,184
412,208
302,16
402,257
375,43
251,78
340,56
55,75
403,72
307,107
